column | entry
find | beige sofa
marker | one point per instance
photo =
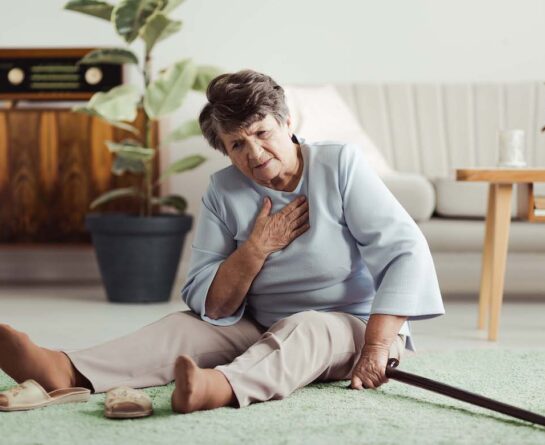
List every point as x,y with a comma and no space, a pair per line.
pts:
425,132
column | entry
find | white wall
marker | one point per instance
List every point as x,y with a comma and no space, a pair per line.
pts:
317,40
314,41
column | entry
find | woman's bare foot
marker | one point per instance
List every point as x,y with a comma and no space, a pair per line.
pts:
22,359
199,389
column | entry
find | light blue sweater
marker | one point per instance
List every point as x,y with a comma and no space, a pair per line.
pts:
363,253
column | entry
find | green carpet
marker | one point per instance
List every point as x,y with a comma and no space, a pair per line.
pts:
321,413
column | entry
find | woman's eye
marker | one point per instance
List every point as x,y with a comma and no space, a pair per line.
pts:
263,134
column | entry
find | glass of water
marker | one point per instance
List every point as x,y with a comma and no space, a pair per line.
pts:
511,148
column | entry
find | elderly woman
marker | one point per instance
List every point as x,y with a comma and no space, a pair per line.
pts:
304,268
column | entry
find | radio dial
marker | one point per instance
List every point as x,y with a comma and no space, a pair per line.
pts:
16,76
93,75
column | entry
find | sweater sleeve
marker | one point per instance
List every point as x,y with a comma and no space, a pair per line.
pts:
212,244
391,244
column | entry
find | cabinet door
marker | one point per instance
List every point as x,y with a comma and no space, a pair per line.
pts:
53,163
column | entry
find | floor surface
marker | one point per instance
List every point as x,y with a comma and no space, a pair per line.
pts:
74,317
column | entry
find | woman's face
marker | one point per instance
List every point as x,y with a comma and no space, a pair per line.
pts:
265,153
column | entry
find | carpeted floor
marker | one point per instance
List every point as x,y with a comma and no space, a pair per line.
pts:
322,413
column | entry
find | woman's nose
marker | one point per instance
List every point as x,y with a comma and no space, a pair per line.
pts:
254,150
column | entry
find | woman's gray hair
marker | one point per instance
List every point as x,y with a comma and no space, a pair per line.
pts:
236,101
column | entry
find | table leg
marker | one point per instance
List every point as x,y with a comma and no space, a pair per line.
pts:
486,267
500,241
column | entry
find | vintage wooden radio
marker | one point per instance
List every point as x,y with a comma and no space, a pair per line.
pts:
53,74
53,161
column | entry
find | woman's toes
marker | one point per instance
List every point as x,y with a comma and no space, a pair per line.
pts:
11,342
10,335
199,389
188,395
5,328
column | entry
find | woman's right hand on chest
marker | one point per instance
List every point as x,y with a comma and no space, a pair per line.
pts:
274,232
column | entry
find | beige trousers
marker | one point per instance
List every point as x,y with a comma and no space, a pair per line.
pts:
259,364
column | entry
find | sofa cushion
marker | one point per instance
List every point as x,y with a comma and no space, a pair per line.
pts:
319,113
466,235
464,199
414,192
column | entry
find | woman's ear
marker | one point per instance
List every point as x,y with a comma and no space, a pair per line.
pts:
289,125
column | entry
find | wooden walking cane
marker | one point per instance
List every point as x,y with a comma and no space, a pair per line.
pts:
460,394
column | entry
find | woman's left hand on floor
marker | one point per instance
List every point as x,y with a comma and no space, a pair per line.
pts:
370,371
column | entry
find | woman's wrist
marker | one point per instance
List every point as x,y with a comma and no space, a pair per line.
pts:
375,349
253,249
381,331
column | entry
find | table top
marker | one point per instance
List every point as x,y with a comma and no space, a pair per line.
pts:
501,175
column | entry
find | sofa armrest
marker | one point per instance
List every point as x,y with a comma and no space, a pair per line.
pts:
414,192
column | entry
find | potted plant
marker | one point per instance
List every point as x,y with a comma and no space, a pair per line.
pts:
138,255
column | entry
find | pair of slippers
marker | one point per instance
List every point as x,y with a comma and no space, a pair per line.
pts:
120,403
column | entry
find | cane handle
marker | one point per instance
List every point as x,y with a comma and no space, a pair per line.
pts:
393,362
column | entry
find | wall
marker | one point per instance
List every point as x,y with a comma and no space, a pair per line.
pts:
315,40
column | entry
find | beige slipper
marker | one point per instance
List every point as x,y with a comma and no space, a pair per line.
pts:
127,403
31,395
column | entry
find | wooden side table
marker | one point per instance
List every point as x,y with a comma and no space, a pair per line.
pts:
498,220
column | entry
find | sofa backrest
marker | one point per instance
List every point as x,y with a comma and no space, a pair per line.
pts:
433,129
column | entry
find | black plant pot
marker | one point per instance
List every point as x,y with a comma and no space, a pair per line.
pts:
138,257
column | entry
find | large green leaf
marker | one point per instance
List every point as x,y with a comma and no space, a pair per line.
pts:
117,124
131,151
115,194
205,73
158,27
122,165
184,131
116,56
95,8
181,165
175,201
171,5
167,93
130,15
118,104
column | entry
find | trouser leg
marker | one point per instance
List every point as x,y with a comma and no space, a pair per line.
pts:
297,350
147,356
343,364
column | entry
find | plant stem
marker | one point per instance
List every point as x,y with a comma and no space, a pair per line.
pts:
148,127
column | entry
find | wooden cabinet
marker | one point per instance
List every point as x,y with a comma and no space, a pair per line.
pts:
53,163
